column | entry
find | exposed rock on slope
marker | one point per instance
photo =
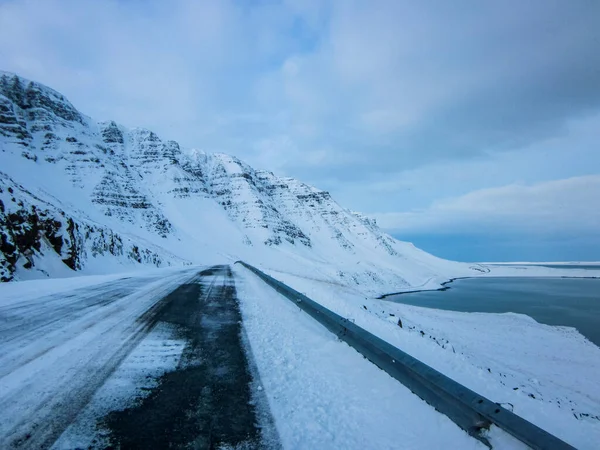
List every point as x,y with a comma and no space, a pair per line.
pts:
33,230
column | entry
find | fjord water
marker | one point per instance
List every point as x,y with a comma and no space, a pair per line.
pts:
573,302
594,266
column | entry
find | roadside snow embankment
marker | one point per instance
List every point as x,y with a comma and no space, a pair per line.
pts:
544,374
322,393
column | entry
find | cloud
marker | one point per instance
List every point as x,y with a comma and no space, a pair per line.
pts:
177,67
567,207
388,83
408,84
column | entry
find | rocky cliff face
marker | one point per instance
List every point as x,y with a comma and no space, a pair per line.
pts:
82,189
32,228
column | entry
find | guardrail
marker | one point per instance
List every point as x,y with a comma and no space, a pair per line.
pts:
469,410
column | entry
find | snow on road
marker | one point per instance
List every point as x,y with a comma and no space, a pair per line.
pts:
153,360
58,349
40,288
322,393
157,354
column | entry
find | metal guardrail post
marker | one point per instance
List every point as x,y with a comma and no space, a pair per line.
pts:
469,410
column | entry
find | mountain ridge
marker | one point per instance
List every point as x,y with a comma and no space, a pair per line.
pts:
153,195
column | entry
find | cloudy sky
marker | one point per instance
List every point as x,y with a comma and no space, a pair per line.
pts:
471,128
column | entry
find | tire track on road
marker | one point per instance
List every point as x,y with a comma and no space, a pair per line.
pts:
45,393
207,401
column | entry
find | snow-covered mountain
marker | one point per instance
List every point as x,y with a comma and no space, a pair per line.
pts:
76,194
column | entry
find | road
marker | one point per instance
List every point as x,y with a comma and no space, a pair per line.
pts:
154,361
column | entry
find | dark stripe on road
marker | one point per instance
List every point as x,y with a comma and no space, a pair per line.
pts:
207,401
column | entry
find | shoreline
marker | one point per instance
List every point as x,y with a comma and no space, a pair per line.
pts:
445,287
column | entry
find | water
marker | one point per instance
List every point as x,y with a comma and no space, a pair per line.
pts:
572,266
553,266
572,302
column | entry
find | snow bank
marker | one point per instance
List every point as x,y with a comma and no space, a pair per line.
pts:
545,374
322,393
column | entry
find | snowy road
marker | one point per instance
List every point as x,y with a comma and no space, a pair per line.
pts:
149,361
162,360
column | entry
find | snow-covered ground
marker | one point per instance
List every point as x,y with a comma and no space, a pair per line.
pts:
60,342
546,374
38,288
574,264
324,394
418,271
541,270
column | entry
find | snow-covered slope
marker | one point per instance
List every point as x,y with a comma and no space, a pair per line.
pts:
74,190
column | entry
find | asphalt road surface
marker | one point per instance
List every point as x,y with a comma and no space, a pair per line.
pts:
156,361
